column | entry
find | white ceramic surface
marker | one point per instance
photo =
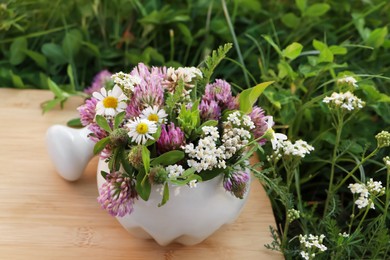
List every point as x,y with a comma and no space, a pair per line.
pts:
190,215
70,150
187,218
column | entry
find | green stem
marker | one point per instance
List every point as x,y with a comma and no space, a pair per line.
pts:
285,231
236,45
339,129
387,203
364,216
356,168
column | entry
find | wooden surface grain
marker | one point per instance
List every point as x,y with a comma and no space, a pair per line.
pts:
42,216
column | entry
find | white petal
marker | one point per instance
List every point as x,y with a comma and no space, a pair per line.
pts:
98,96
116,91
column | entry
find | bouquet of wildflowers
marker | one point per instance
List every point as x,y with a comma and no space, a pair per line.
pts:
160,126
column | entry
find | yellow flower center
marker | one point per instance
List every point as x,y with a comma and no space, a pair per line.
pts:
110,102
142,128
153,117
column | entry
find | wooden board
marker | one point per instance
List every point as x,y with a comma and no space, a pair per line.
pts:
42,216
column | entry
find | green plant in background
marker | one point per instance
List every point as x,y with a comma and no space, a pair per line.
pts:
310,49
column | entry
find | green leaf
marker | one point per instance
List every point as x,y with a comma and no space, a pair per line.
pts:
286,70
209,123
188,172
69,71
316,10
17,51
338,50
104,174
155,136
212,61
146,158
16,80
39,59
74,123
377,37
326,54
273,44
210,174
54,52
102,122
118,119
188,39
249,96
301,4
143,185
100,145
290,20
292,51
165,197
71,43
48,105
168,158
55,89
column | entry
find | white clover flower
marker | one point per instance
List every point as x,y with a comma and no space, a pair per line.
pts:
125,80
174,171
140,130
346,101
154,114
186,74
110,102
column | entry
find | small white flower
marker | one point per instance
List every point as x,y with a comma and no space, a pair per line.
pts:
346,101
140,130
110,103
174,171
154,114
192,184
305,255
349,80
125,80
344,234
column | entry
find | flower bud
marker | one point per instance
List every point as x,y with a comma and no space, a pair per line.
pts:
383,139
119,137
158,175
135,157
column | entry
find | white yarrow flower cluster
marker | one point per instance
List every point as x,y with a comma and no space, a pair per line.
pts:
125,80
311,245
300,148
348,80
365,190
346,101
235,134
206,155
344,234
174,171
286,148
386,160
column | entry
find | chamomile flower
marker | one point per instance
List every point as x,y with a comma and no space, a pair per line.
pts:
275,138
140,130
154,114
110,102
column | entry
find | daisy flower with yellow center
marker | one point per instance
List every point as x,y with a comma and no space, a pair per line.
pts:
141,130
154,114
110,102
